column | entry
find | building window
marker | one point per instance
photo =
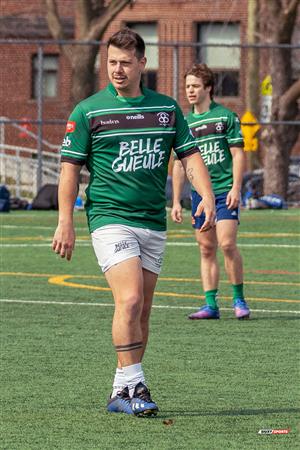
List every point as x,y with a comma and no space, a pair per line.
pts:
224,61
50,76
148,31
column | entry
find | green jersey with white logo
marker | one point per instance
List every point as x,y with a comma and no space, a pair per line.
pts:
125,144
216,131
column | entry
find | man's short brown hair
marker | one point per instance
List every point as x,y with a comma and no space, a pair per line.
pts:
128,39
205,73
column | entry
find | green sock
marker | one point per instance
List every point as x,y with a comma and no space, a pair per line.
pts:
238,291
211,298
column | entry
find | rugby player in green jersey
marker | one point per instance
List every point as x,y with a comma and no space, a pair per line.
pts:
124,135
217,132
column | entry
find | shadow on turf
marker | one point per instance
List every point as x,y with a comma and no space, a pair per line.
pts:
232,412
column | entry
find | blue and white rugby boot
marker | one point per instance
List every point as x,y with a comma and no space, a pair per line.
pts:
141,403
120,403
241,309
206,312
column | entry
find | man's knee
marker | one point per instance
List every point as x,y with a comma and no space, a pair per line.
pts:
207,249
130,308
228,247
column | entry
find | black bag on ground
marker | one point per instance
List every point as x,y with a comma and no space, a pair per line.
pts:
47,197
4,198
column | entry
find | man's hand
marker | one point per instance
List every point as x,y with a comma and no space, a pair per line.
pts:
233,198
207,206
64,241
176,213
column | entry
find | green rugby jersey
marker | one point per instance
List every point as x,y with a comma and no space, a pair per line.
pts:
126,145
216,131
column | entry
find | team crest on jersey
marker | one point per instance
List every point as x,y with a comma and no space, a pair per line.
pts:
70,128
220,127
163,118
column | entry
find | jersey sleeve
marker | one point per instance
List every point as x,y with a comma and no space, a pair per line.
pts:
233,133
184,142
76,143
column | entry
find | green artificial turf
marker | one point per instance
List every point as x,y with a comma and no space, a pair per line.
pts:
217,383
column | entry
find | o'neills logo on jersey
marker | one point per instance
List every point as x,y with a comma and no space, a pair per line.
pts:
139,154
70,128
110,122
135,117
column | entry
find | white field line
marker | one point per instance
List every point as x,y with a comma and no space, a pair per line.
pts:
82,243
111,305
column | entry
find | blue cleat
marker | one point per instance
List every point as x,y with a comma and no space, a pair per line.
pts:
241,309
120,403
141,403
206,312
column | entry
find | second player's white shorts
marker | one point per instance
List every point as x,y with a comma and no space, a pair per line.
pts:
116,243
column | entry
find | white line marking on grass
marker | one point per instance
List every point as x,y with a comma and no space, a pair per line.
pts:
47,302
169,244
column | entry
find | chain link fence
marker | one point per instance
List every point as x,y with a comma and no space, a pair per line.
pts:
37,80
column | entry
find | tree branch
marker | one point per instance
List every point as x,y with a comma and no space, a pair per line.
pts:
291,7
55,26
99,26
288,98
53,20
286,24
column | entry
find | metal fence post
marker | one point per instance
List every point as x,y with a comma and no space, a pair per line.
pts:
39,175
3,160
175,71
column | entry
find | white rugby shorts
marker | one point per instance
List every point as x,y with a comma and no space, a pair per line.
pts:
115,243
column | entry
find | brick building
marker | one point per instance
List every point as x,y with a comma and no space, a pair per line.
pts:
159,22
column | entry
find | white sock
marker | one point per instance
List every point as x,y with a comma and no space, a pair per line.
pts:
133,375
119,382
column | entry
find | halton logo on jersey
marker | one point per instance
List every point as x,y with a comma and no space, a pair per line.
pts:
163,118
202,127
71,126
220,127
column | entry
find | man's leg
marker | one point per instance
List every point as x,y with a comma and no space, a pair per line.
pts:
126,282
150,280
207,242
227,238
130,327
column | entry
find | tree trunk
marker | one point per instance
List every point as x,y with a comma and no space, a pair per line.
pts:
83,76
279,139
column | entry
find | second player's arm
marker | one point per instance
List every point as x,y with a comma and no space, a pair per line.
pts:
198,175
64,237
238,168
178,179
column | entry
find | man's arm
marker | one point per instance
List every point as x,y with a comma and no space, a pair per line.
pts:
64,237
198,175
238,168
178,179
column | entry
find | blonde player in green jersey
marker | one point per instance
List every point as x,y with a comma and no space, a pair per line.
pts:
124,134
217,132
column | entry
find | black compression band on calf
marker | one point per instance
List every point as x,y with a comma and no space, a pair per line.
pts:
128,347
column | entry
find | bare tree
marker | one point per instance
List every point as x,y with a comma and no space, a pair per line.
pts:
278,19
92,19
